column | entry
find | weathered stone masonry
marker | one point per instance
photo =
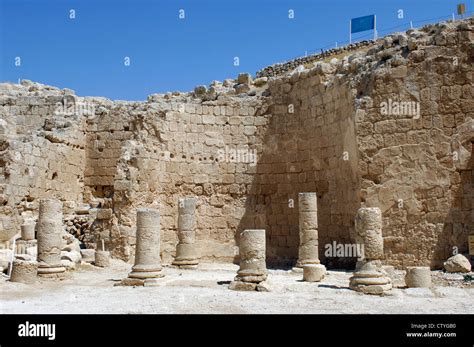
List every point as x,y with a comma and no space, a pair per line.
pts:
245,149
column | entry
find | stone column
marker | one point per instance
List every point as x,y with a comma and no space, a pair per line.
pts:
370,278
102,257
186,254
27,244
48,230
368,225
24,271
418,277
308,251
253,269
147,266
28,232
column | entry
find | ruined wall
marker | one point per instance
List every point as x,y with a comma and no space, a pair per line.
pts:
416,161
42,145
171,148
246,149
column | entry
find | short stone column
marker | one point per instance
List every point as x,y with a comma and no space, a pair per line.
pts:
48,230
27,243
28,232
313,272
147,266
24,271
102,257
186,253
253,269
370,278
308,251
418,277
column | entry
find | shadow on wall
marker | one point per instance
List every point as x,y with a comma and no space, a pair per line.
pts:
303,152
459,222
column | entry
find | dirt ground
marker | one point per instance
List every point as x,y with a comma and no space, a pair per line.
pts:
91,290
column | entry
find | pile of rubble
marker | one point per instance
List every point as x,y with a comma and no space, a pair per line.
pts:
280,68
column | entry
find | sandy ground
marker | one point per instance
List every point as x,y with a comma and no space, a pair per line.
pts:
91,290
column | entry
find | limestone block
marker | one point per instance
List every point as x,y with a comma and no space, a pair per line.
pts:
457,263
244,78
88,255
104,213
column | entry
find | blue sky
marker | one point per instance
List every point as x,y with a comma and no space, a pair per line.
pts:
167,53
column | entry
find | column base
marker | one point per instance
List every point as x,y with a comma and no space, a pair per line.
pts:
186,263
251,276
52,272
249,286
139,282
146,275
370,279
298,268
314,272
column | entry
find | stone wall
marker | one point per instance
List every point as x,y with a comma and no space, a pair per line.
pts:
246,149
417,167
173,148
43,155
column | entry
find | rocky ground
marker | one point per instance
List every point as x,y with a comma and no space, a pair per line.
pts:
91,290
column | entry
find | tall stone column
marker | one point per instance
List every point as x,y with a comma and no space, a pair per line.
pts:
186,253
147,266
253,269
48,231
370,278
308,227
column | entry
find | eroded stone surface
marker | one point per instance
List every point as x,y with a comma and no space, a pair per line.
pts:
458,263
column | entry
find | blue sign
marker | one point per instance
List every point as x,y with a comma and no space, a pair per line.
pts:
362,23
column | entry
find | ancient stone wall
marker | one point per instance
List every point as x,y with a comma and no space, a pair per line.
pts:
309,147
389,125
175,148
416,161
43,155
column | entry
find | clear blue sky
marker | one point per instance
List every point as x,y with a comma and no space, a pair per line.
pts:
167,53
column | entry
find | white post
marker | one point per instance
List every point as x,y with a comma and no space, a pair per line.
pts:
350,31
375,27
